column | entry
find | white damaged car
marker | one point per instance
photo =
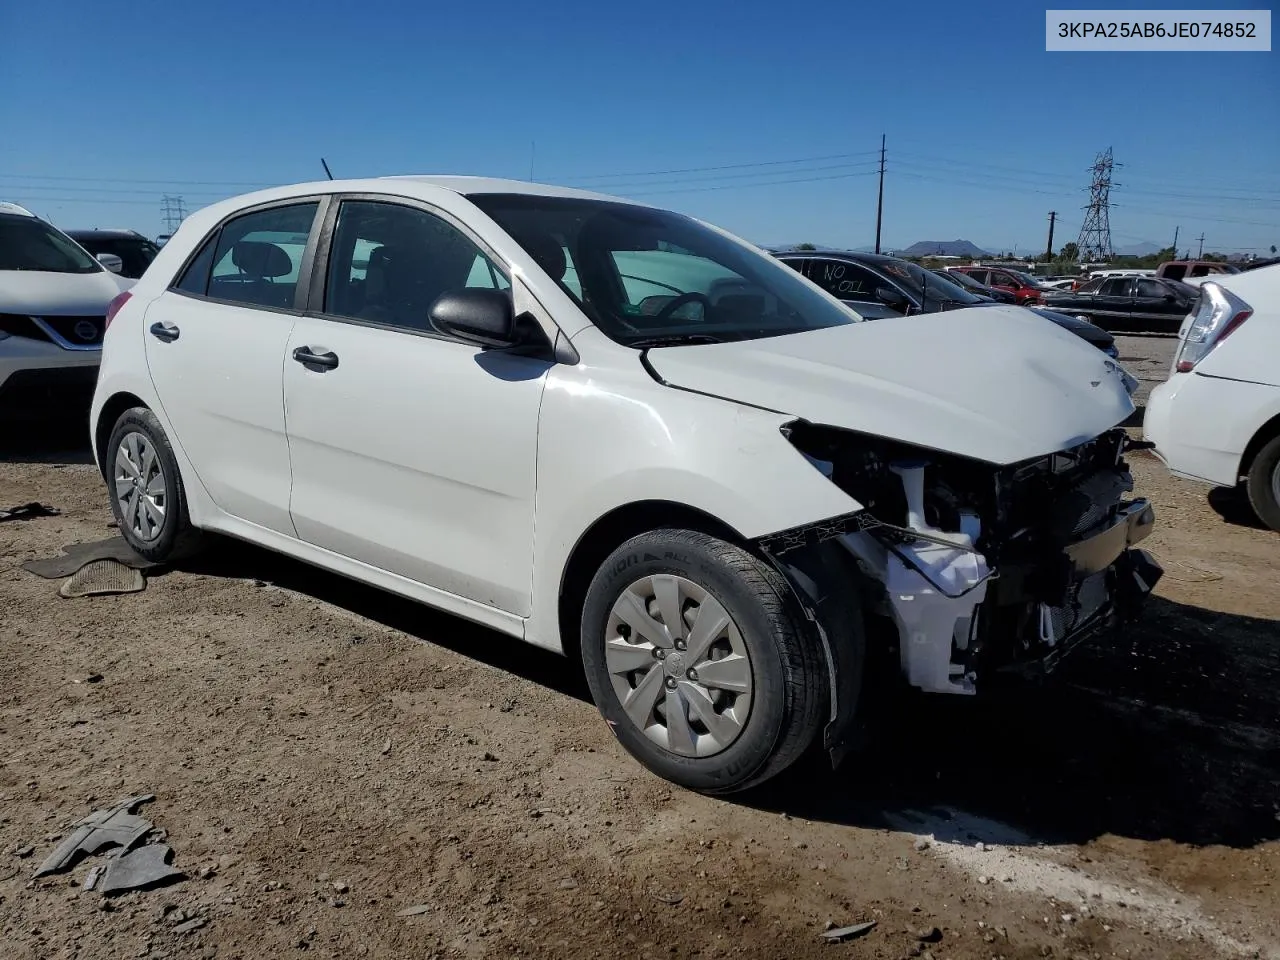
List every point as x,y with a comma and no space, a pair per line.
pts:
620,433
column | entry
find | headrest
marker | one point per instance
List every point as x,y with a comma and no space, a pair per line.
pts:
546,250
260,259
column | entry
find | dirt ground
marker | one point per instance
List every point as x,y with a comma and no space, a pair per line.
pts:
324,756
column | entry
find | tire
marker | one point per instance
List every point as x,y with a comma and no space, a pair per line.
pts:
1263,484
138,441
788,689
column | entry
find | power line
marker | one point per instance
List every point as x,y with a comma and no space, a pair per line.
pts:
734,176
743,186
726,166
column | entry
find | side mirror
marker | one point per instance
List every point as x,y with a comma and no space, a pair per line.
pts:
893,298
485,318
1171,297
111,262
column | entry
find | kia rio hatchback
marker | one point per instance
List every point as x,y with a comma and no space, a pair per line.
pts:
623,434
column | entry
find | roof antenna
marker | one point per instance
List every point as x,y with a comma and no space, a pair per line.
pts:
326,168
533,147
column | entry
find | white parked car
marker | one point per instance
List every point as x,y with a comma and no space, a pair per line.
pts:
1217,418
53,303
618,432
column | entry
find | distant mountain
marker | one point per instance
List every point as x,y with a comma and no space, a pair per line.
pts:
943,248
1144,249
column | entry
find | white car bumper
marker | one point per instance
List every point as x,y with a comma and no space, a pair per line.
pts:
38,378
1193,421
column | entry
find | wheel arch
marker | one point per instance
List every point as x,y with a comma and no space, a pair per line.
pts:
609,532
115,405
1261,437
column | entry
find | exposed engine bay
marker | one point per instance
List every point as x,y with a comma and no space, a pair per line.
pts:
984,568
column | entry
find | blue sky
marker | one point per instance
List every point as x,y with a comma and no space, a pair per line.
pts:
986,131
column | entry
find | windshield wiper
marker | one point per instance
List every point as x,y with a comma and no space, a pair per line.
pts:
676,339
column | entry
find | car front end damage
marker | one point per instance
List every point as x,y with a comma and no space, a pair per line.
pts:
980,569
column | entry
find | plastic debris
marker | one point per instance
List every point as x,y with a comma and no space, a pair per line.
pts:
103,576
840,934
144,867
415,911
28,511
101,829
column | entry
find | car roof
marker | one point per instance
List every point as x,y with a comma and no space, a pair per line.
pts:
112,233
844,254
16,210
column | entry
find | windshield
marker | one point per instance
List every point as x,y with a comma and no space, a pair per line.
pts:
934,286
30,244
647,276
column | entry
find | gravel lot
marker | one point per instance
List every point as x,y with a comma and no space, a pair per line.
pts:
325,756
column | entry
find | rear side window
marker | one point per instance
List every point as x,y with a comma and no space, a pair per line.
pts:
254,259
845,281
1115,287
1174,271
195,279
1151,288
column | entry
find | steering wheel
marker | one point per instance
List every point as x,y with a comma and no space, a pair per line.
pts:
677,302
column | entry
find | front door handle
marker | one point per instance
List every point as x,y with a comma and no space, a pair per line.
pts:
165,331
308,358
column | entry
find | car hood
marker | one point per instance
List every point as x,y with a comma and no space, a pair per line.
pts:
980,383
59,294
1081,328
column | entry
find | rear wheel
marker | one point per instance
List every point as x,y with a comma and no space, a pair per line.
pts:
700,661
1263,484
147,496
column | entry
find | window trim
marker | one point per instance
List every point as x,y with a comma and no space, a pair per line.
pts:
301,291
328,229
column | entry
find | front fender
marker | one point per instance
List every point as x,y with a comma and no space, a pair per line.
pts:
601,448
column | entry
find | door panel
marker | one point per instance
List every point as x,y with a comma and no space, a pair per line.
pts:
417,455
411,451
216,365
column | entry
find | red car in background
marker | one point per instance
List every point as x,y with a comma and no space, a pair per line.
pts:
1025,288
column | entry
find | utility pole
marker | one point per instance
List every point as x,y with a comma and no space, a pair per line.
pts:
1201,253
880,200
1175,241
1048,252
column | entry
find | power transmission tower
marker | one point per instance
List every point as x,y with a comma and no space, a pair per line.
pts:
1095,233
172,211
880,201
1048,251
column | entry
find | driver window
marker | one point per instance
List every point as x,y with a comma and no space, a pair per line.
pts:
389,263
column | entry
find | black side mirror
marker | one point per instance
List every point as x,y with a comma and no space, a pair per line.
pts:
893,298
485,318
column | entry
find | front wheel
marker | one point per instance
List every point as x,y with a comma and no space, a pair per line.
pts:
700,661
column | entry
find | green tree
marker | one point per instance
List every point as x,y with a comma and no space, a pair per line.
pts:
1070,252
1273,249
805,246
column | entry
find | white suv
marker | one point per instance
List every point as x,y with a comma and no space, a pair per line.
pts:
53,304
618,432
1217,417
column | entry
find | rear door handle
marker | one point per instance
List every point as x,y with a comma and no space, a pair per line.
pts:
165,331
308,358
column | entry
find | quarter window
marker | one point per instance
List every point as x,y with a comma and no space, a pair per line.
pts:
258,256
389,263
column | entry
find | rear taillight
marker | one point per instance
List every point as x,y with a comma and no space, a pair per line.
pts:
114,307
1218,314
